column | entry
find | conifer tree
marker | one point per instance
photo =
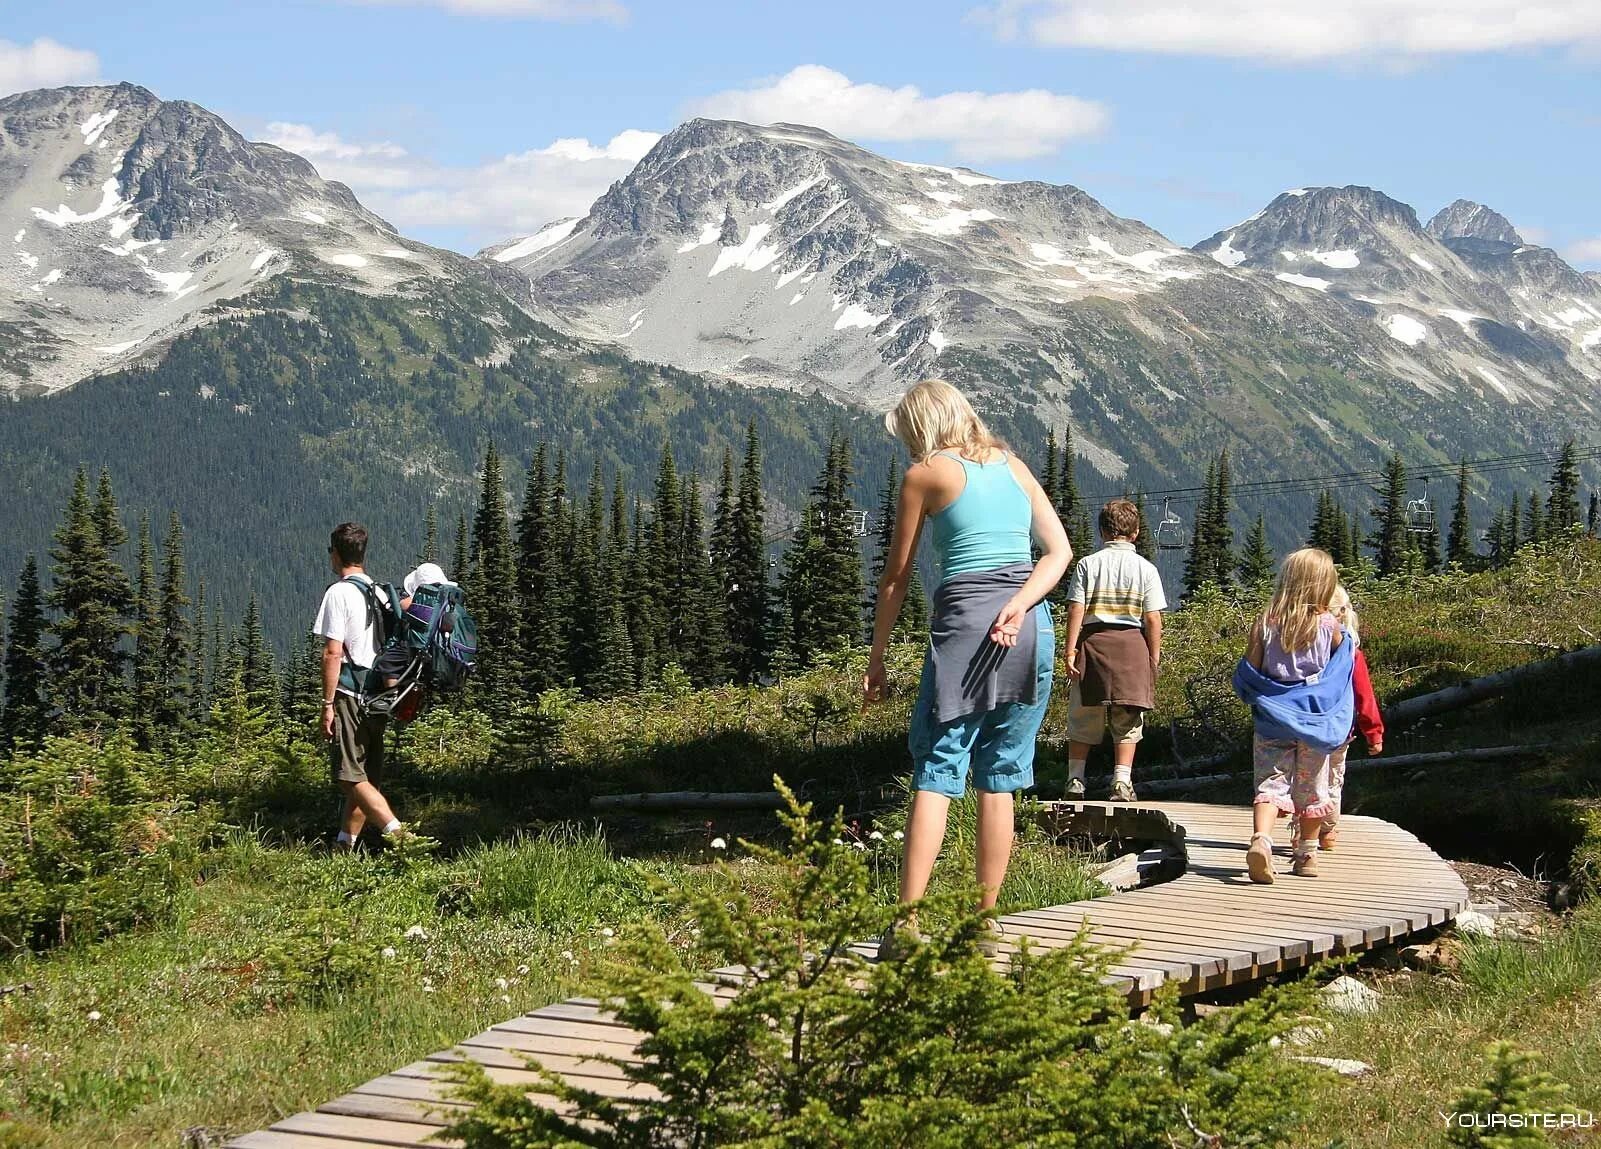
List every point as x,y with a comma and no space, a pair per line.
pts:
173,679
430,536
1514,525
837,607
912,618
1562,505
748,631
661,570
1070,505
1220,547
1459,539
542,577
200,703
1200,567
1323,532
257,675
702,599
722,540
146,637
25,717
459,557
614,669
1050,477
1500,548
493,588
1256,560
1390,540
1145,544
91,596
1533,520
1592,521
1352,523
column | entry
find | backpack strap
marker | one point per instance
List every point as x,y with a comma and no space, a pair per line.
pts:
383,615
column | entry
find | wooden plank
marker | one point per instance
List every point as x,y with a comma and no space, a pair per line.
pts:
1207,955
281,1139
1153,925
368,1130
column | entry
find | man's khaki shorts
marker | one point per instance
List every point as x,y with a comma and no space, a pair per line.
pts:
356,753
1090,723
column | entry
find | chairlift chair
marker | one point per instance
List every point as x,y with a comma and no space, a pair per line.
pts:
1420,513
1169,530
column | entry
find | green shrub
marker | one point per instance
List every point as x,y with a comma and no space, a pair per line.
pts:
822,1048
319,956
88,846
1506,1110
1584,867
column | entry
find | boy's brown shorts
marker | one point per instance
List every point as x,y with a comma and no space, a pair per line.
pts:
356,753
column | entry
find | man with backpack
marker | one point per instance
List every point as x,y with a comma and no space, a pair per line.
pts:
350,621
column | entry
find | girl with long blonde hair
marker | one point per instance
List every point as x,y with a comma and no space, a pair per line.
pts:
1296,674
992,648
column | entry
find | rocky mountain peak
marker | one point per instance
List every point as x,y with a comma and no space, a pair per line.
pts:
1464,219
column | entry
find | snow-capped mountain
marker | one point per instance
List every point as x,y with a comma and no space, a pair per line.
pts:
1472,306
783,255
123,216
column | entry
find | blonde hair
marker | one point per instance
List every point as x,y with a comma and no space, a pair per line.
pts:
1306,585
934,416
1340,606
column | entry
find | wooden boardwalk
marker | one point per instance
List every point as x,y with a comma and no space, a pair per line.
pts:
1207,928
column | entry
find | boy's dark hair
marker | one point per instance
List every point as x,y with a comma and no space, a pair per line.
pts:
349,542
1120,519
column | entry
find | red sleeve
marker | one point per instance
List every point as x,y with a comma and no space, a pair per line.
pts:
1369,721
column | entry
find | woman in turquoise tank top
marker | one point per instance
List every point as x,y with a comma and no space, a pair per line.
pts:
987,677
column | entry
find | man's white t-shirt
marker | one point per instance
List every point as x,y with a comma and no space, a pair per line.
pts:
343,618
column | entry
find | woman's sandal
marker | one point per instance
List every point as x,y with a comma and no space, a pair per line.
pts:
1259,859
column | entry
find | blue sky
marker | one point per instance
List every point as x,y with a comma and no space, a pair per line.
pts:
442,114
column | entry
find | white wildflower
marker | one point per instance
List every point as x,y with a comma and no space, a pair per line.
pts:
899,835
94,1015
501,983
859,845
719,844
839,841
876,836
607,931
388,951
568,955
522,970
504,1000
416,932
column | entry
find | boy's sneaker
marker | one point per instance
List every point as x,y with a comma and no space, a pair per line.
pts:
898,941
1122,792
1259,859
1075,789
1304,866
989,941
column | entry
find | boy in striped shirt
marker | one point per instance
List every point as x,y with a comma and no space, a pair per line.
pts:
1114,646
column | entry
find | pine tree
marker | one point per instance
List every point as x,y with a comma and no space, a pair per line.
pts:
1145,544
702,600
1256,560
837,617
1050,477
722,540
1070,505
1323,532
1200,567
1514,525
912,618
221,657
1533,520
493,590
1562,505
430,536
25,717
257,674
748,631
1500,548
1593,519
200,703
542,576
173,693
1459,540
1428,547
1220,547
146,638
92,598
1390,540
662,571
615,665
459,556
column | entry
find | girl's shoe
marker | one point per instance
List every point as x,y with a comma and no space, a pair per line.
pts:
1259,859
1329,836
1304,866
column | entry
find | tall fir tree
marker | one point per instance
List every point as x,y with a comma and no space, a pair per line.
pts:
1514,525
912,618
1533,520
1324,533
822,578
1562,504
722,539
92,598
1200,566
430,536
1220,547
1050,475
492,585
663,569
542,576
174,701
1256,563
702,600
1459,539
1500,547
257,675
1592,521
460,555
25,716
1070,505
1390,541
200,704
146,638
748,624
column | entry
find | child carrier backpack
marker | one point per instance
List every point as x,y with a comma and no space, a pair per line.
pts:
433,646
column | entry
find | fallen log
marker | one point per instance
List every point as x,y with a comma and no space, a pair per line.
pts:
1398,761
1410,710
689,800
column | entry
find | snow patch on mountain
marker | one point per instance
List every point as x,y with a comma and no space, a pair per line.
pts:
1420,261
110,202
1406,329
546,237
1311,281
1226,254
95,124
777,204
750,254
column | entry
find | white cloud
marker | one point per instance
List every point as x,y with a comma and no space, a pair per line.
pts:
44,64
1290,30
571,11
975,125
513,195
1584,251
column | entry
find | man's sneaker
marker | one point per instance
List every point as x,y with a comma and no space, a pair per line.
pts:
1075,789
1304,866
1122,792
338,847
989,941
898,941
1259,859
